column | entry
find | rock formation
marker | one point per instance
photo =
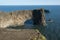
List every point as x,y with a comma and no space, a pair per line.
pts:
39,17
19,17
47,11
14,18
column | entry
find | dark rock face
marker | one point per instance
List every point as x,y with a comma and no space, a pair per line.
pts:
47,11
38,17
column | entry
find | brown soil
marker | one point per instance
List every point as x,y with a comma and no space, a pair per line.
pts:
20,34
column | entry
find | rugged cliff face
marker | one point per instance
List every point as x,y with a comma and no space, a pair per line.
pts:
15,18
39,17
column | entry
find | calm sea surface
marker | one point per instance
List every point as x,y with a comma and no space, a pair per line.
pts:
52,30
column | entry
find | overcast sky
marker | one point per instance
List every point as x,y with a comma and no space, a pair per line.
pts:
29,2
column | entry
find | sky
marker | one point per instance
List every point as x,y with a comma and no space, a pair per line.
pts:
29,2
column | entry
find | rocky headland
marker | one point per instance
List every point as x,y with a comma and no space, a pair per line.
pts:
15,18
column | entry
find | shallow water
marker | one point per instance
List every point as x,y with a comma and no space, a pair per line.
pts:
51,31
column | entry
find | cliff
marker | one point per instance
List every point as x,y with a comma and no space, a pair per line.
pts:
21,34
15,18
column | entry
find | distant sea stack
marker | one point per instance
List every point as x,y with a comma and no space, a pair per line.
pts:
15,18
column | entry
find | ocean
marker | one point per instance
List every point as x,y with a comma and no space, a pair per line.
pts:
52,30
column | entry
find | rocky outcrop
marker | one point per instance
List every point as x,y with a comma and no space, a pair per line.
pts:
39,17
47,11
15,18
21,34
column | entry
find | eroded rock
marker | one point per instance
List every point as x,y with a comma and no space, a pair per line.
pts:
19,17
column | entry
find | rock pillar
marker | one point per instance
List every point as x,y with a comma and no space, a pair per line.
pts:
39,17
43,20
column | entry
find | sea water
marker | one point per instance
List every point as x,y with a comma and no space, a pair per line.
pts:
52,30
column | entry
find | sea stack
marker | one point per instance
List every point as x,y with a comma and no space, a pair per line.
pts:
39,17
43,20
